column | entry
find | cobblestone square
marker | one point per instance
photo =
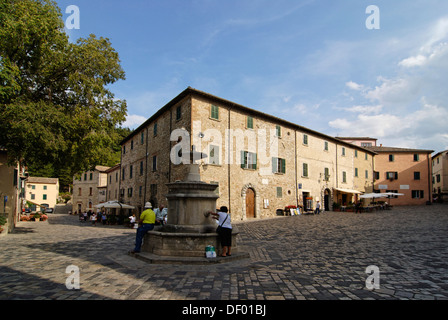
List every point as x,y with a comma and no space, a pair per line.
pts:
316,257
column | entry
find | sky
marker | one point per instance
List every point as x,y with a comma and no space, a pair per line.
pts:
333,66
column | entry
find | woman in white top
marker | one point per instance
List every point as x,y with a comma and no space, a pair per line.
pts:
225,233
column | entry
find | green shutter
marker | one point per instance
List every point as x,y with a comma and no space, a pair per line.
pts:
283,165
254,164
274,165
243,159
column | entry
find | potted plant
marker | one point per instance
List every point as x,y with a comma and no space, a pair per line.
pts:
3,221
37,216
336,206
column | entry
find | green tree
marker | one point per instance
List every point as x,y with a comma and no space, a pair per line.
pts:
55,105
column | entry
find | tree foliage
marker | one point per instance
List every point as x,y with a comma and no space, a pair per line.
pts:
55,105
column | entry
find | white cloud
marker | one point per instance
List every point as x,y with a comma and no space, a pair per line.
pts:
413,61
364,109
354,86
133,121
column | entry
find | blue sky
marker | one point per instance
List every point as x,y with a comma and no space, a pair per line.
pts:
312,62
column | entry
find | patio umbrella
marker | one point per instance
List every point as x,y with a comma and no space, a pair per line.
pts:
114,204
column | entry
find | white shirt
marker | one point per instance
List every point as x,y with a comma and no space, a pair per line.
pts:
222,217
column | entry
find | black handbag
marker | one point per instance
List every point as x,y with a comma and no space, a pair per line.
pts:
218,230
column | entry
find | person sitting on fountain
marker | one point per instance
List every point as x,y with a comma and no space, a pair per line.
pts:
225,233
146,223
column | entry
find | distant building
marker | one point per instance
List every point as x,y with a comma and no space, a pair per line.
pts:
89,189
360,141
113,183
41,192
406,171
440,174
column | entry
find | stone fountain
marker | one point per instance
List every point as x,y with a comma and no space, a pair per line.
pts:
190,228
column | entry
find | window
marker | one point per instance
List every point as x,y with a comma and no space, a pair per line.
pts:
278,131
33,187
343,151
179,113
366,144
110,179
142,137
132,145
140,191
326,145
130,192
116,176
391,158
416,157
154,163
367,157
344,176
130,171
248,160
214,112
85,176
418,194
250,122
79,192
438,177
124,149
44,197
356,172
367,174
91,176
416,175
305,170
305,139
278,165
326,174
153,190
33,196
356,153
392,175
155,129
214,155
377,175
141,168
279,192
90,191
123,173
45,187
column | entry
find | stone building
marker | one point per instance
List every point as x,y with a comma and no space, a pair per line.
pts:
113,183
440,174
406,171
261,163
89,189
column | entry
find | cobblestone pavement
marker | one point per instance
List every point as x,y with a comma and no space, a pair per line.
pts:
291,258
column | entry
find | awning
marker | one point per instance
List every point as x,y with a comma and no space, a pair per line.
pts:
348,190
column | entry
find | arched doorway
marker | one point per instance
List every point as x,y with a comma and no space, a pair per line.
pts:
327,196
250,203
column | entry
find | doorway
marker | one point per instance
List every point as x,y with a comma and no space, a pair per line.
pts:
327,200
250,203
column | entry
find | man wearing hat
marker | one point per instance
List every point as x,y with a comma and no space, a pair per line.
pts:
146,223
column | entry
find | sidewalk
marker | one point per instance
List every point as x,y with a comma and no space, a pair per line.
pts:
291,258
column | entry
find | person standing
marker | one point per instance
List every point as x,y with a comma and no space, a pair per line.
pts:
146,223
225,230
317,211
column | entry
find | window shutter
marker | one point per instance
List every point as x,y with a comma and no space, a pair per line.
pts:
283,165
254,165
274,165
243,159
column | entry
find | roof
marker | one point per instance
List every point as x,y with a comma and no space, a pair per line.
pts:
42,180
115,167
380,149
357,138
192,91
102,168
439,153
